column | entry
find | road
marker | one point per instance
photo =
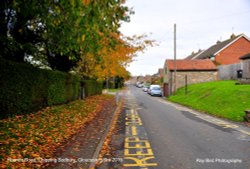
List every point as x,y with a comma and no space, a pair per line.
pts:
172,136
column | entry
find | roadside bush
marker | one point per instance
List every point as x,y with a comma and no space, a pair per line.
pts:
111,84
56,88
92,87
25,88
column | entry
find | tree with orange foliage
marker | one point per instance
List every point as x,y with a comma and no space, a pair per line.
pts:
113,60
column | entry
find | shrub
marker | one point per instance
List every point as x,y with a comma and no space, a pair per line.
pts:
25,88
92,87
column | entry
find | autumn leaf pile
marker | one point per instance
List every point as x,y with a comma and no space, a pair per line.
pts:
36,136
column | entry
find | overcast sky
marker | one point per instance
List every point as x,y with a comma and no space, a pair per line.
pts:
200,23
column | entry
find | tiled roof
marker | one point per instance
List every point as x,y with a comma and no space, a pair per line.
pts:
247,56
216,48
193,55
204,64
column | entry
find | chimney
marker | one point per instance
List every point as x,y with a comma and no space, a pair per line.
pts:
232,36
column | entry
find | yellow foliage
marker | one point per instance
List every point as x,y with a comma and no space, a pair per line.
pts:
113,61
86,2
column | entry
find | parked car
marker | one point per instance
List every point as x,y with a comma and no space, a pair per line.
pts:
136,84
140,85
145,88
150,87
155,90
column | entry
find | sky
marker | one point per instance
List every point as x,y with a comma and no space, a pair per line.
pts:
200,24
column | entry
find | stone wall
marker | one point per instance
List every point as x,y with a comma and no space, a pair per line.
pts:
193,77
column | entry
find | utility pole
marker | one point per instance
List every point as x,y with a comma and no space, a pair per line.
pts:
175,66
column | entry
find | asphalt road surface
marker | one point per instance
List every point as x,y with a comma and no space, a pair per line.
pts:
180,138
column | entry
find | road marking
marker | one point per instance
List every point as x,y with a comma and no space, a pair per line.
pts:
134,130
245,132
137,149
207,118
140,162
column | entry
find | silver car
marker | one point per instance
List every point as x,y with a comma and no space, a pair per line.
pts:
155,90
145,88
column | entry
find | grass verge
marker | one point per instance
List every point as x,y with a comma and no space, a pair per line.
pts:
220,98
36,136
114,90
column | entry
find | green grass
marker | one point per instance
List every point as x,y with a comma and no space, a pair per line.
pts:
220,98
114,90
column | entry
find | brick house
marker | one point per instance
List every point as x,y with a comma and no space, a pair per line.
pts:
194,71
225,52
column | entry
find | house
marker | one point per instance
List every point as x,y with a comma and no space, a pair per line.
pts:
133,80
225,52
160,72
194,54
187,72
140,79
147,79
246,66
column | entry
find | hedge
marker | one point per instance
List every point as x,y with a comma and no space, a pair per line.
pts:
25,89
92,87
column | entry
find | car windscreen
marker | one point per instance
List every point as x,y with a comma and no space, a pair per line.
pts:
156,88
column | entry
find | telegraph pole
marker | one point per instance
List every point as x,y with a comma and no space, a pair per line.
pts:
175,66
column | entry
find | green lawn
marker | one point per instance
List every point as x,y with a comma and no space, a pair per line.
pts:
114,90
220,98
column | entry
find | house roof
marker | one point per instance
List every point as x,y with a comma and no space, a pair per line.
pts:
194,54
247,56
204,64
218,47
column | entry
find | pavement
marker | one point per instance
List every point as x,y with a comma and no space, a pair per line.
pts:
79,151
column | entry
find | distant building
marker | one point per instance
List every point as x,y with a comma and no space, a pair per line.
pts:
196,71
160,72
225,52
140,79
147,79
133,80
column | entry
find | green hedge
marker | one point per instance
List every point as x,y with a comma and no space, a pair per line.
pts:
24,88
92,87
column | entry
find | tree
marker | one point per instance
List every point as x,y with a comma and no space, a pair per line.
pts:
63,34
113,61
75,30
57,32
19,28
